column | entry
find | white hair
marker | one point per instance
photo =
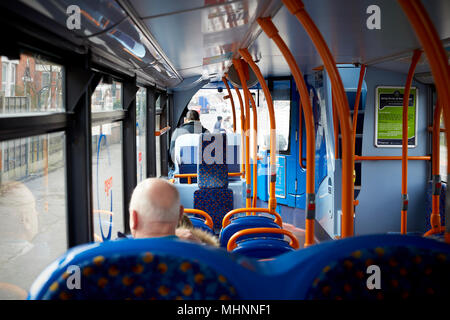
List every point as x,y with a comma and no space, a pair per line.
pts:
143,201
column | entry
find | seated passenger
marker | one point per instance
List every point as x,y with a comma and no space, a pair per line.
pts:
186,230
155,212
191,124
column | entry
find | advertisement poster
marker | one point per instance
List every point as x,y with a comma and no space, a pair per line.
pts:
388,117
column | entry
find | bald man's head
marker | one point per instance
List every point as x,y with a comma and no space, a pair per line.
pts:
154,201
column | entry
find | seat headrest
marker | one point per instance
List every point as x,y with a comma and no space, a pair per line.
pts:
135,269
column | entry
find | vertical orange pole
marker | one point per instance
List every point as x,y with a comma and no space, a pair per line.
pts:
405,200
435,218
296,7
243,151
437,58
272,32
233,109
255,149
273,142
240,70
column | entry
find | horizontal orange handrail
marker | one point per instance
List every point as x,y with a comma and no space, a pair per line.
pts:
190,176
430,129
208,219
162,131
226,219
391,158
103,211
232,242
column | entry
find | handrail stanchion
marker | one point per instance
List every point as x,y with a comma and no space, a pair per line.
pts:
254,150
296,7
437,59
243,151
248,192
435,218
405,200
272,32
233,109
273,142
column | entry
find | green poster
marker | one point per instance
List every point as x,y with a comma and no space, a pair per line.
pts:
388,116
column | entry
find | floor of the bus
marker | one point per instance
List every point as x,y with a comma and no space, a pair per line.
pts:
294,221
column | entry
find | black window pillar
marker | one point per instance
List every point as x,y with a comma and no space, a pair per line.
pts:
150,134
80,83
129,155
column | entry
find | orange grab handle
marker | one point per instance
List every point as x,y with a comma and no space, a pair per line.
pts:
162,131
376,158
273,139
226,219
238,64
208,219
232,242
305,106
296,7
437,58
241,104
230,96
412,68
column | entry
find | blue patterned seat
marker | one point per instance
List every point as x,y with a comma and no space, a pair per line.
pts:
410,267
139,269
213,195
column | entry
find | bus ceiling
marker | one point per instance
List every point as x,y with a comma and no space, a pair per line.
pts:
177,44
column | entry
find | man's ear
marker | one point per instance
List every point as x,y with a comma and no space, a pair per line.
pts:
133,220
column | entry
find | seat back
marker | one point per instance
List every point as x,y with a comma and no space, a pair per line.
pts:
186,155
213,195
138,269
408,266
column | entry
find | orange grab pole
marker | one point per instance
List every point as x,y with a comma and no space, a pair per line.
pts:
404,211
233,109
242,128
208,219
437,59
377,158
232,242
296,7
273,138
227,217
241,72
362,72
272,32
435,218
255,150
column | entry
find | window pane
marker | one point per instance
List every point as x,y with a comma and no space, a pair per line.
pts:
31,84
32,210
107,97
141,118
281,96
107,180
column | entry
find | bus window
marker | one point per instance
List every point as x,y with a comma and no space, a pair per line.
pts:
30,85
443,153
141,118
32,209
107,97
107,167
210,104
282,106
